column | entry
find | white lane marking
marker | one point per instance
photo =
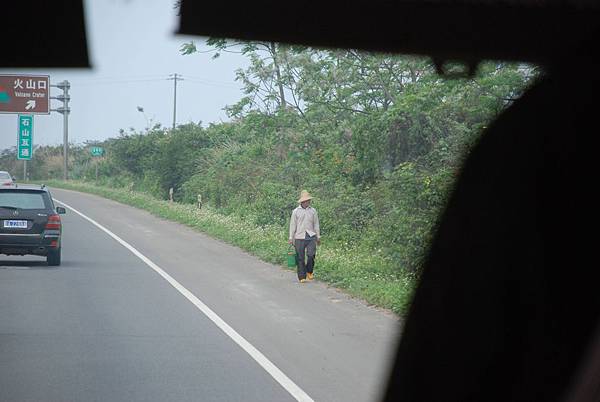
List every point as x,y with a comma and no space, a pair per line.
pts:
261,359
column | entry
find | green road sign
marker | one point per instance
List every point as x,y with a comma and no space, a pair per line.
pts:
97,151
25,137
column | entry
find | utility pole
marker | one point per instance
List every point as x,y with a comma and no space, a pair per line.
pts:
175,77
64,110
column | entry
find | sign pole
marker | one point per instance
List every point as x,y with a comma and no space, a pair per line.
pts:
66,132
96,151
25,170
65,144
65,112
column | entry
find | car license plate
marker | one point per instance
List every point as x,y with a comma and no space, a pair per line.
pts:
14,224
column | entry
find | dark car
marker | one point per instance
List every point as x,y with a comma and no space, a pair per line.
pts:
30,223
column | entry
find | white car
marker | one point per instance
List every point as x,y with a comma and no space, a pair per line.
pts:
6,180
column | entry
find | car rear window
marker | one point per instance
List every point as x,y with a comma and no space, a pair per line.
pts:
22,199
4,176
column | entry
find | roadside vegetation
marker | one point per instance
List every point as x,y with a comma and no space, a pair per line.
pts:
377,140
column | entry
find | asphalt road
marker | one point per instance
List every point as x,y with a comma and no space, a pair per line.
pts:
178,316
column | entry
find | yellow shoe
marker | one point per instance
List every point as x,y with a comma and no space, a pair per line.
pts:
302,280
310,276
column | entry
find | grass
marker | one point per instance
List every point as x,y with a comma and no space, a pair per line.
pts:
362,273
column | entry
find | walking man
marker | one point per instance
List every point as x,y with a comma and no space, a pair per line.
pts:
305,235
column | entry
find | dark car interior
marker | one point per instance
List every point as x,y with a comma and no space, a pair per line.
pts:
507,308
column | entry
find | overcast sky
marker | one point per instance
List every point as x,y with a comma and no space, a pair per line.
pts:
133,50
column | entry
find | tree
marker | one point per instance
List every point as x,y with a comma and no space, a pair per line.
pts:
269,79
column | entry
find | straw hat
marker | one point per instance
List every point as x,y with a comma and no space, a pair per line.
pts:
304,196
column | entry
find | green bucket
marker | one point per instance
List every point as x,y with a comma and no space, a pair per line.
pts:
291,257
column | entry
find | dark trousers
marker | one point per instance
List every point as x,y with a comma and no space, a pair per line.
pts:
306,249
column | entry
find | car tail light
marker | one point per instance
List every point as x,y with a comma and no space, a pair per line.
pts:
7,184
53,222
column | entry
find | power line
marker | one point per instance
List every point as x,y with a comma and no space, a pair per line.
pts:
208,80
150,78
91,83
122,77
213,84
